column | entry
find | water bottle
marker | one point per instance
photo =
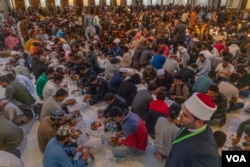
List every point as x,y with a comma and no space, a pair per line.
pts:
87,104
90,162
102,139
80,92
110,126
82,107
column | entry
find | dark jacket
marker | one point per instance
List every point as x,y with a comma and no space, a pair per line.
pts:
34,63
141,103
128,91
84,78
165,82
221,102
92,59
187,74
199,150
115,82
180,32
41,68
98,91
136,57
119,102
145,57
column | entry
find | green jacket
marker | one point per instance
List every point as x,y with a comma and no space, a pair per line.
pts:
41,81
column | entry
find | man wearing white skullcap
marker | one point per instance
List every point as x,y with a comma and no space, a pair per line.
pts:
194,144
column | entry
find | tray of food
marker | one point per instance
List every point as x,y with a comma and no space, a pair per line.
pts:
95,128
113,141
96,125
71,102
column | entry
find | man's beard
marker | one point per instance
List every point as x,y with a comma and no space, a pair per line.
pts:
57,125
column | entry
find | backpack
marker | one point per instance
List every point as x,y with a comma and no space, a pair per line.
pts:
27,110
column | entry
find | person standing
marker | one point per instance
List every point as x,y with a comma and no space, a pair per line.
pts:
195,135
22,30
179,35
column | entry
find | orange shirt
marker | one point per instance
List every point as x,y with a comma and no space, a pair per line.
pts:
193,16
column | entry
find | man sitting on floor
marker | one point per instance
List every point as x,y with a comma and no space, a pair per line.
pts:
165,132
135,133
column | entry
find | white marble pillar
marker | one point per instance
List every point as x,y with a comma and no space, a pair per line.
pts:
97,2
129,2
223,2
166,2
27,3
57,2
180,2
154,2
201,2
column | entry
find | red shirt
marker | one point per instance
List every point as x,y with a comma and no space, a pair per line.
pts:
219,46
159,106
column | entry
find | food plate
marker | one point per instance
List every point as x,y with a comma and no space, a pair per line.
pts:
71,101
74,77
96,125
113,141
95,128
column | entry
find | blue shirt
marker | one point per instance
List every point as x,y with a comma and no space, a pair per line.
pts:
55,155
158,61
202,84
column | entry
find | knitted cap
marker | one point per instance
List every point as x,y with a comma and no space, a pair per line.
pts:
160,72
201,106
63,130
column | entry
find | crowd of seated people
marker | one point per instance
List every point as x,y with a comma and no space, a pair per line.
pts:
173,52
